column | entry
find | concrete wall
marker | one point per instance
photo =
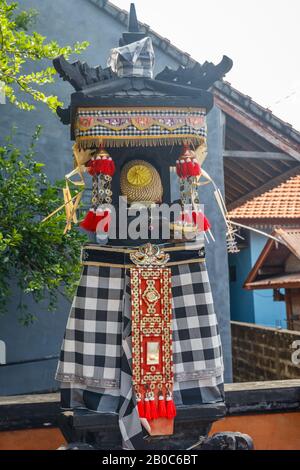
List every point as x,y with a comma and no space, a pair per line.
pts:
263,353
67,23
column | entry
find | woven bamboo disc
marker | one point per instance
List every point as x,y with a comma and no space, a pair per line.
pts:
140,182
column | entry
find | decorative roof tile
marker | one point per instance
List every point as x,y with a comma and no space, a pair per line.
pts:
280,202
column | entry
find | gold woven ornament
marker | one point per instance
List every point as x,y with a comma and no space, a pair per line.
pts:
140,182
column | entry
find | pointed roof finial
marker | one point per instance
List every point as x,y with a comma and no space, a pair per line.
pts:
133,34
133,25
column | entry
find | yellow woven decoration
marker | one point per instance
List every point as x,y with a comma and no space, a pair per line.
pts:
139,175
140,182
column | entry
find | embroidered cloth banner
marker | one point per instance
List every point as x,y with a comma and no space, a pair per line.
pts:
117,127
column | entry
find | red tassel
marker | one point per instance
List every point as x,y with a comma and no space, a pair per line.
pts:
197,168
147,409
183,169
201,221
206,224
104,166
89,222
111,167
141,408
97,165
189,168
171,410
90,166
186,217
101,165
153,408
162,411
105,218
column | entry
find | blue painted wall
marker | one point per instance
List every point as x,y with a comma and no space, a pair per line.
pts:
68,23
253,306
267,312
241,301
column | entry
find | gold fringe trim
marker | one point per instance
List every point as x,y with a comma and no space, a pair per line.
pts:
138,141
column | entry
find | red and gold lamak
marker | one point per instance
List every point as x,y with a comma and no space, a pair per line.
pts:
152,362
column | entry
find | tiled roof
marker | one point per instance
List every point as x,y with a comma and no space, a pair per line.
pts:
280,202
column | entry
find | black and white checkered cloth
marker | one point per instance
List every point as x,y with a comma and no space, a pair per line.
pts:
135,59
95,363
132,131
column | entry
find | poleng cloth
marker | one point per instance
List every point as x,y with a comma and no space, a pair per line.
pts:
95,361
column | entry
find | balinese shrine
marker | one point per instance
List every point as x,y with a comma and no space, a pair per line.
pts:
141,363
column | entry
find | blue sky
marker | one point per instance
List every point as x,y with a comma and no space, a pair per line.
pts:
261,36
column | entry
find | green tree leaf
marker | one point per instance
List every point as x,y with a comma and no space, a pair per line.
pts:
18,48
43,261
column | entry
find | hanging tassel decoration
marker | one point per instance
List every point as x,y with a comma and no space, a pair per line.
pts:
89,222
170,406
201,221
187,165
102,168
101,164
183,169
147,413
103,217
190,170
162,411
104,164
140,405
153,408
196,167
186,217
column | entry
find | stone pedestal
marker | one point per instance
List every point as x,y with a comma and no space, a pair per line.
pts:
100,431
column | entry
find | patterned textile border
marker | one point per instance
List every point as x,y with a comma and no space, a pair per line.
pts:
144,126
151,317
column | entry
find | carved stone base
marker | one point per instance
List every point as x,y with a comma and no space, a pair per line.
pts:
219,441
88,430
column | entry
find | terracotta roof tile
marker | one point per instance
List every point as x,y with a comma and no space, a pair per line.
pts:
281,202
